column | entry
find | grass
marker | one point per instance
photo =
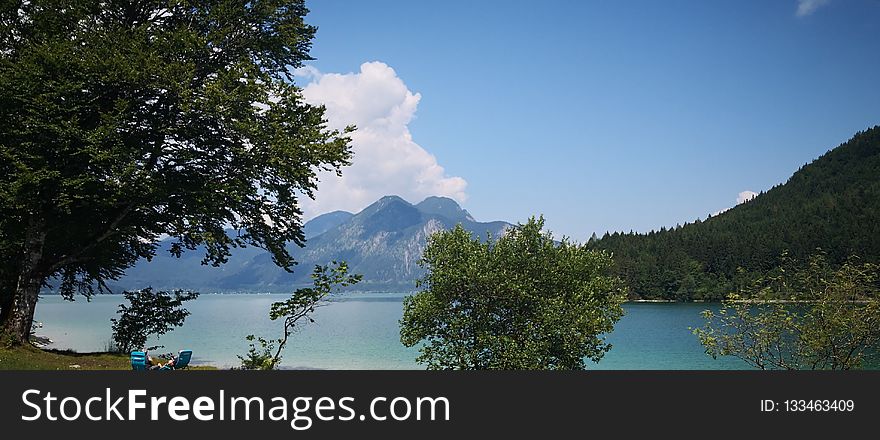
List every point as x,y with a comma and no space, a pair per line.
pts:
28,357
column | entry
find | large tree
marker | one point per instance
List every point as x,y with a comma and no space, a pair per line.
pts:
125,121
524,301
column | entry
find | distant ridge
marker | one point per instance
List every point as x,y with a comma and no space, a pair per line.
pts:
383,242
325,222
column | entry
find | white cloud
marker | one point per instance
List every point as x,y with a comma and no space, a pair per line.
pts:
387,161
807,7
745,196
308,72
742,197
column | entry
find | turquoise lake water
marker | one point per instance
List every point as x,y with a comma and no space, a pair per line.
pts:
360,331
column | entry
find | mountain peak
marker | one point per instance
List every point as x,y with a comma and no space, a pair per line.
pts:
392,198
439,199
387,214
384,203
383,242
445,207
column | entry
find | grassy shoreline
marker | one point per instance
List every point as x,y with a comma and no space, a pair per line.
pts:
29,357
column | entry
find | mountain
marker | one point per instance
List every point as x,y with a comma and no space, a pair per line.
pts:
383,242
325,222
832,203
444,207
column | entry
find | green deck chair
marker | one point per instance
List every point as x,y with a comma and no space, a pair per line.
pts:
182,361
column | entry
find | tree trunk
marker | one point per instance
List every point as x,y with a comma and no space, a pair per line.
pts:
7,294
30,280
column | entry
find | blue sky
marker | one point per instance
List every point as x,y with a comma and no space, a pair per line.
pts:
599,115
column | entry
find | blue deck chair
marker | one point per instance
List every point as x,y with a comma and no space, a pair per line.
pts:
182,361
139,361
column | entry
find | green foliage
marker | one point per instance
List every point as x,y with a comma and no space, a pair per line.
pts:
123,122
801,317
295,310
7,340
833,203
524,301
259,358
149,313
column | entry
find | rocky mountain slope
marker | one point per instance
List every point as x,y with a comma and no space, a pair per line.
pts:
384,243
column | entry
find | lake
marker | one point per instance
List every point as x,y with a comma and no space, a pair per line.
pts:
360,331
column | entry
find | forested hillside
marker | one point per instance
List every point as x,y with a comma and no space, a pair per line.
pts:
832,203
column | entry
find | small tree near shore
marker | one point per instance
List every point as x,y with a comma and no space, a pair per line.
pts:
294,311
801,317
149,313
